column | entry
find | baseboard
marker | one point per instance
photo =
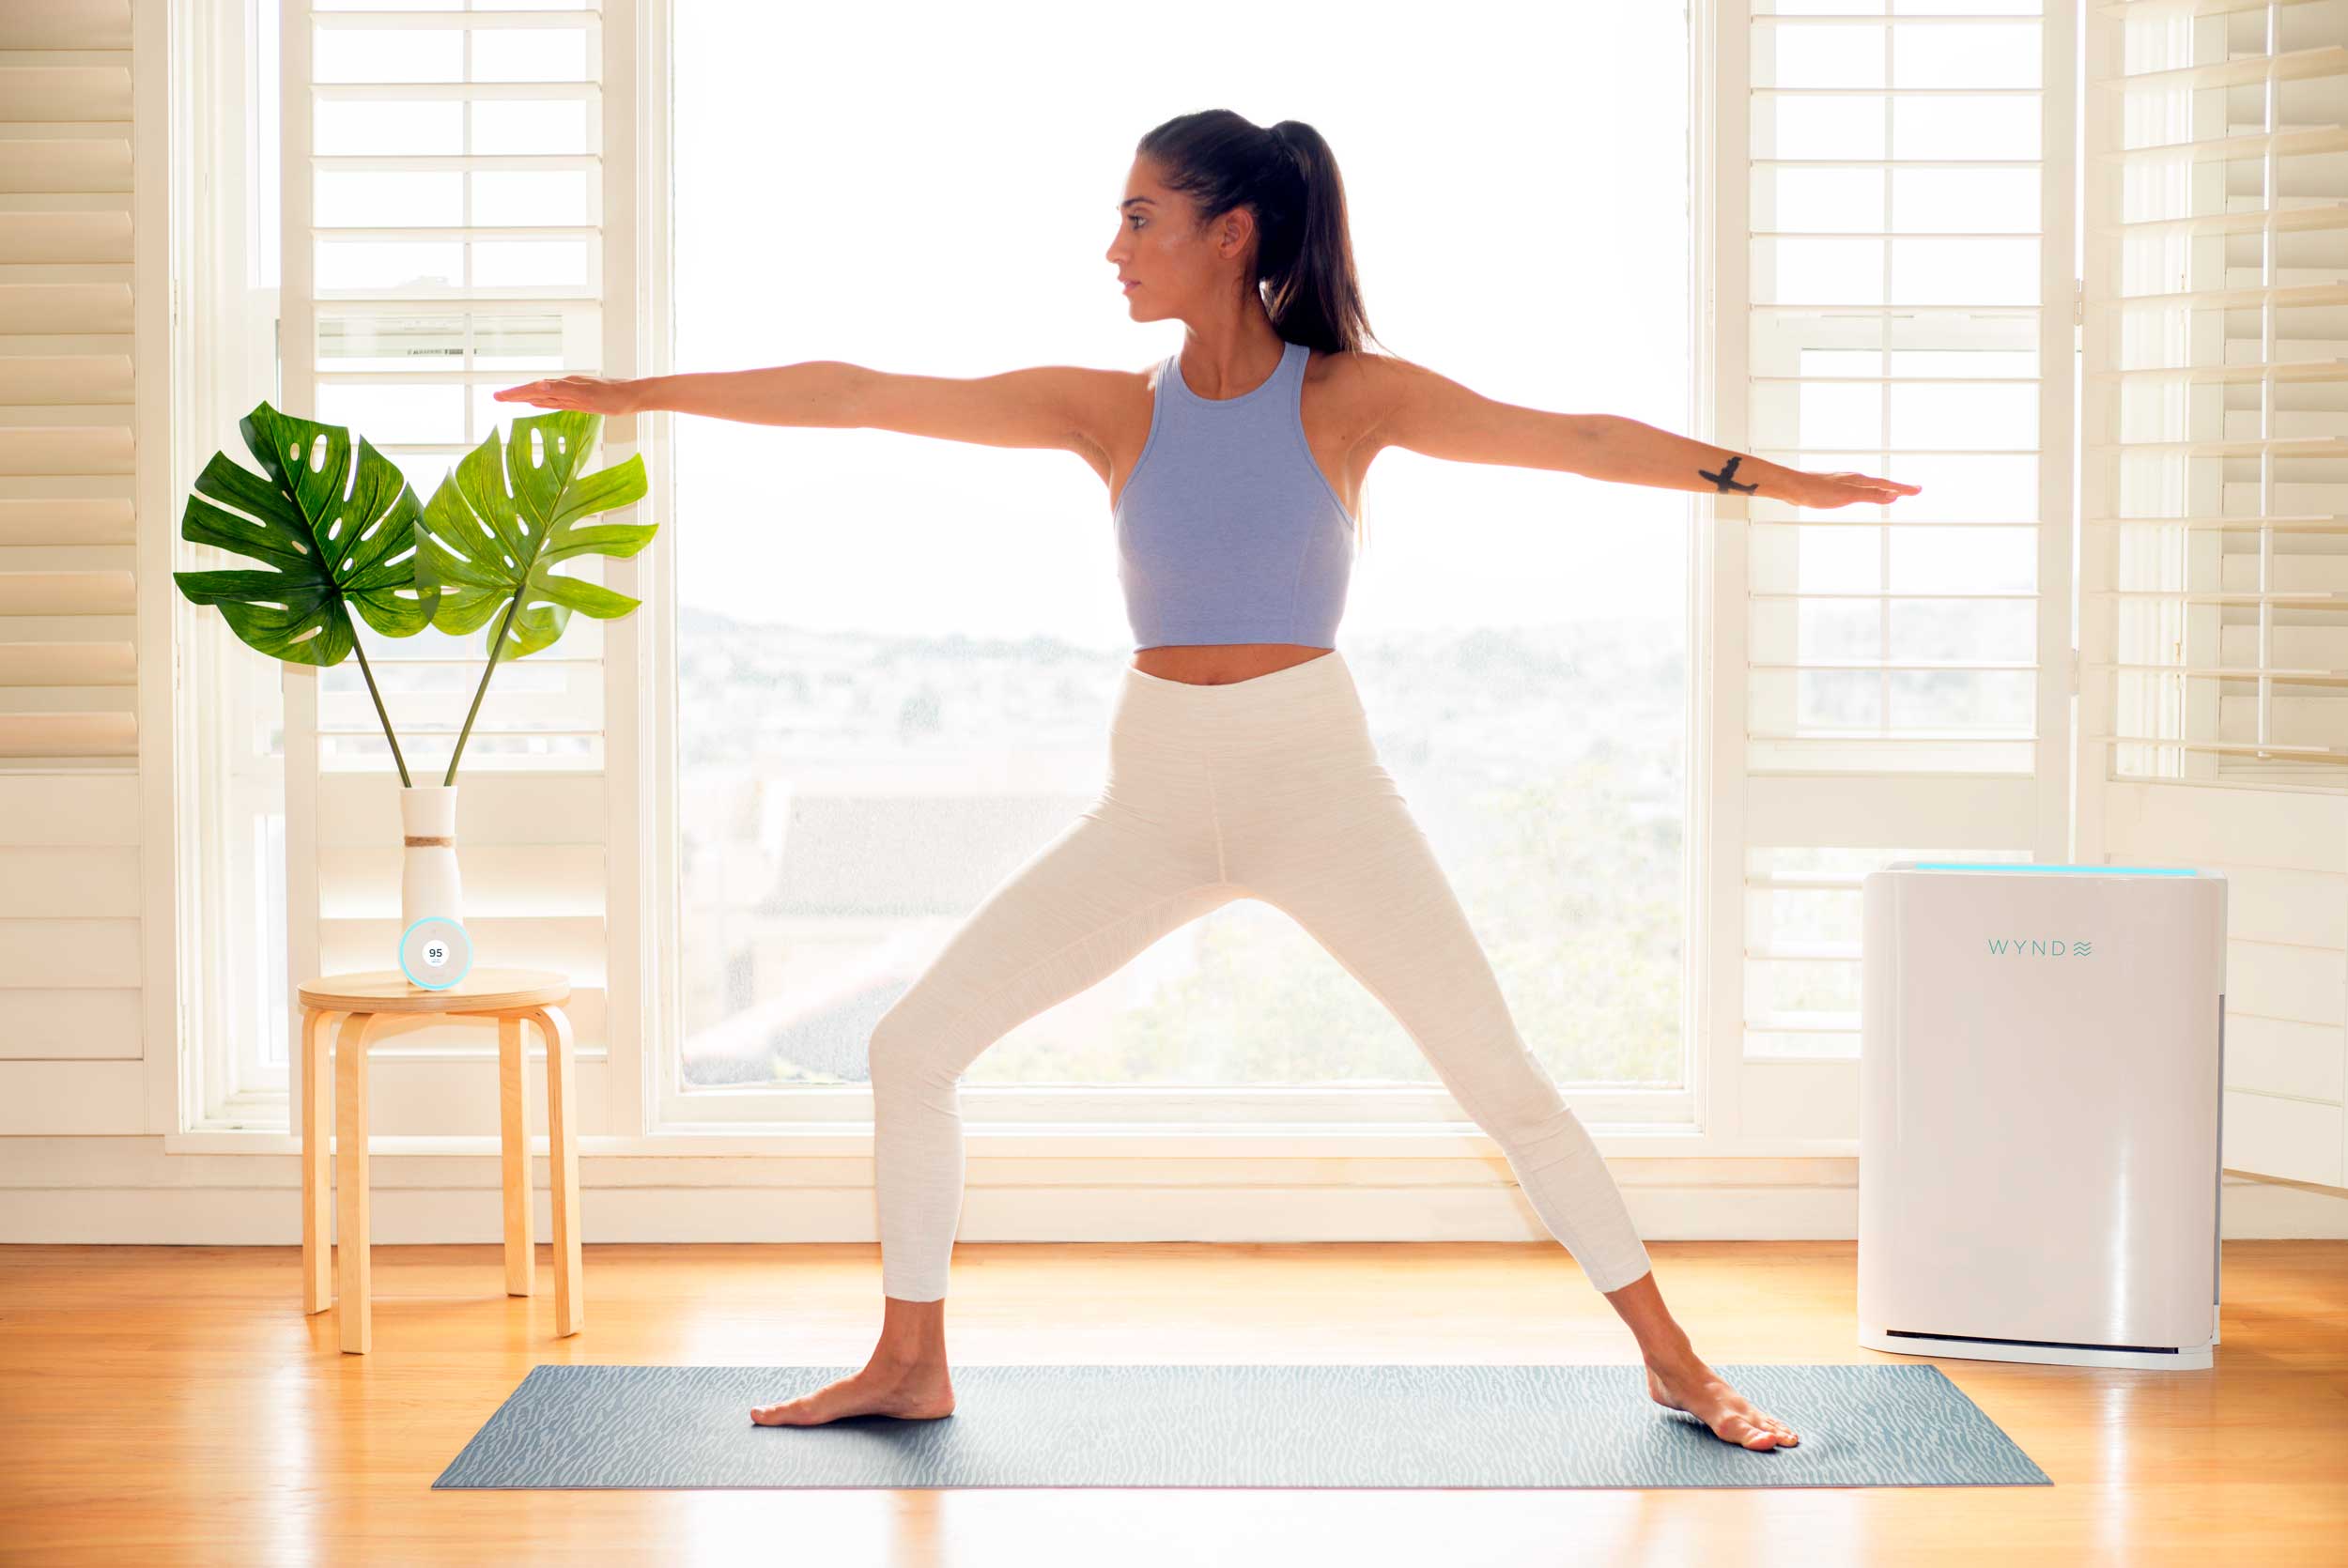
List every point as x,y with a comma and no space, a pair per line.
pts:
127,1191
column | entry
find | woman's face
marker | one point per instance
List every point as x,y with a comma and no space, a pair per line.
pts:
1158,246
1140,253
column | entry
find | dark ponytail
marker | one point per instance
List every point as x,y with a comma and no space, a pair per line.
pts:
1287,178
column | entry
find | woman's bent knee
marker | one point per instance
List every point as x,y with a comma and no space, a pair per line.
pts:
905,1051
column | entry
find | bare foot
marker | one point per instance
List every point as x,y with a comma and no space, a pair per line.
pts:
920,1393
1690,1385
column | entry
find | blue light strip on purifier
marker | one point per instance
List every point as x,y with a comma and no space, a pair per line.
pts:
2031,866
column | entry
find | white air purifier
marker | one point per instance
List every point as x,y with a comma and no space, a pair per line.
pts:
2042,1054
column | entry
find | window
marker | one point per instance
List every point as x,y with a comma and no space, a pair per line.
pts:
894,658
1656,737
439,185
1902,246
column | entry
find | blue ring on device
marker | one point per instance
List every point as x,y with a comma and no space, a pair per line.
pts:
411,974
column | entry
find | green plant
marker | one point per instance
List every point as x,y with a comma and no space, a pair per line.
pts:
335,523
503,517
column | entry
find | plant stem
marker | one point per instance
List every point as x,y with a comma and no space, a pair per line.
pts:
497,646
369,673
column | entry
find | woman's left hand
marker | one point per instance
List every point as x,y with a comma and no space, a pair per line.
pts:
597,395
1820,492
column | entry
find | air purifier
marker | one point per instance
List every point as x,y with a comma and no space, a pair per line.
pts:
2042,1051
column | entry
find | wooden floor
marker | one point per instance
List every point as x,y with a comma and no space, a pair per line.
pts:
165,1405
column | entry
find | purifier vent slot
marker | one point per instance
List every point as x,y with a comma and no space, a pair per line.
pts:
2046,1343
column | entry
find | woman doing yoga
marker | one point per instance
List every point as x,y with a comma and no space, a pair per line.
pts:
1239,758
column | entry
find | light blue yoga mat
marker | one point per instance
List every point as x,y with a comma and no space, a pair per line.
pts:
1238,1425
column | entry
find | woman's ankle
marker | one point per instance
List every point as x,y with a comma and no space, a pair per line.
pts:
912,1334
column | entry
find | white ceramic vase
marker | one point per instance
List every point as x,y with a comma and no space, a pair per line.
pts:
428,883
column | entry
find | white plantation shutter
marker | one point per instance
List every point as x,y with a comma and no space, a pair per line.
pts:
1895,286
69,677
455,189
86,999
2214,565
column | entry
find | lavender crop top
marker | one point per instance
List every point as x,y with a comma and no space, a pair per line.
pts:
1227,529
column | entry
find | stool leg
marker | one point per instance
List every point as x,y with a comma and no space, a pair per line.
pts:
350,1177
317,1182
570,1302
513,1144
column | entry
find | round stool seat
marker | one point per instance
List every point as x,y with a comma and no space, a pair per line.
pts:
389,990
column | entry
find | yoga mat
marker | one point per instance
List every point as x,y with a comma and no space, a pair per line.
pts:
1238,1425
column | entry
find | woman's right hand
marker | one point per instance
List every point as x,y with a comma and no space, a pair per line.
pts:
597,395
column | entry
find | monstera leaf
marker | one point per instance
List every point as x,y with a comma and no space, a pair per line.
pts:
337,525
504,517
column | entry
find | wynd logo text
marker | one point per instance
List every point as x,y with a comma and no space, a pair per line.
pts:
2049,947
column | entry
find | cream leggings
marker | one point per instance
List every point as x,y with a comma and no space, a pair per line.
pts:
1269,788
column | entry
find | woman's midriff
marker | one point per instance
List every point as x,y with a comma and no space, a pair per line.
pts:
1219,664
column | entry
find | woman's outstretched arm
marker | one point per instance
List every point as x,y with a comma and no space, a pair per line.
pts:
1609,446
1431,414
818,393
1049,405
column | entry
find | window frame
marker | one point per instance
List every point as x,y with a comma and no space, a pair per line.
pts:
223,792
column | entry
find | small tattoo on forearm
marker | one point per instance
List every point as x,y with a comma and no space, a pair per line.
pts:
1726,480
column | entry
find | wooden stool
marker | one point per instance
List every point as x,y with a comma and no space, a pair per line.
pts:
513,997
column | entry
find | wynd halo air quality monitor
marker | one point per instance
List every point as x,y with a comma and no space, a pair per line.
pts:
435,952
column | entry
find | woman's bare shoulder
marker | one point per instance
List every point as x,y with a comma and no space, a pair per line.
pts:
1357,388
1111,404
1360,376
1364,367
